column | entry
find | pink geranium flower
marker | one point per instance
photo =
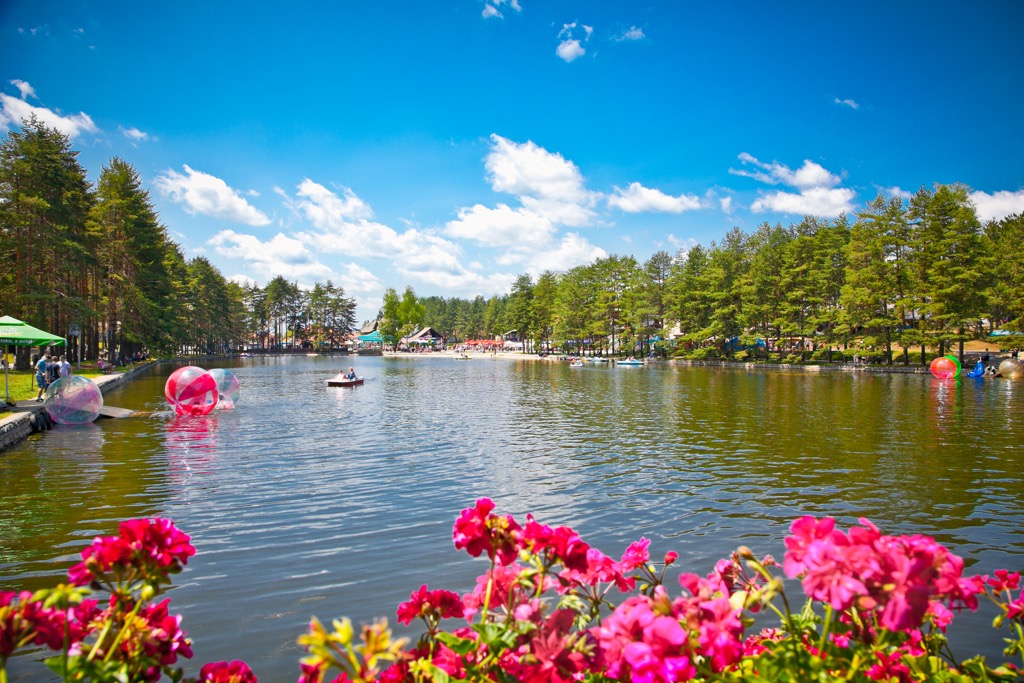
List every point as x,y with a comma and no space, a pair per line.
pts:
478,532
430,605
560,544
636,555
235,671
149,546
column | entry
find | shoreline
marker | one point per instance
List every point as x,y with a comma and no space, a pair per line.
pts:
28,417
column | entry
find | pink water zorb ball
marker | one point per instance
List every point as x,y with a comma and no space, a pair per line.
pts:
191,391
227,388
73,400
943,367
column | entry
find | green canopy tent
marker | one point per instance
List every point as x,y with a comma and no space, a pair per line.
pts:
14,332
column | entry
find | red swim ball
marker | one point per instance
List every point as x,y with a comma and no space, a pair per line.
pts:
943,367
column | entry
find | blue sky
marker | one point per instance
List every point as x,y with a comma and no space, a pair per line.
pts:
452,146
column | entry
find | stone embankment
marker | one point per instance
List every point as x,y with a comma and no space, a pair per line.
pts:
29,417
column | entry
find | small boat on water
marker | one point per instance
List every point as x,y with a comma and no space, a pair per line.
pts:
630,362
340,380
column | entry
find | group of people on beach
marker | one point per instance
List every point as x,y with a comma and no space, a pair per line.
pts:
48,370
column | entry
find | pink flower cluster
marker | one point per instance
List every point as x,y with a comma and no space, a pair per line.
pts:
646,639
149,547
896,578
27,621
430,605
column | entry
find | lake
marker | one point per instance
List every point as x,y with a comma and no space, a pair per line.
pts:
313,501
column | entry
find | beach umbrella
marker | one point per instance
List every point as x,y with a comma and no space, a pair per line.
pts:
14,332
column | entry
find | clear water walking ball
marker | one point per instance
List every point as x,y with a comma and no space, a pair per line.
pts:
227,388
1011,368
73,400
191,391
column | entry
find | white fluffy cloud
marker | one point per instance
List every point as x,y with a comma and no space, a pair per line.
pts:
817,201
24,88
632,33
491,8
998,205
848,103
342,228
551,192
281,255
636,198
570,46
570,49
896,191
544,182
13,111
817,192
572,250
134,134
342,223
501,227
810,175
202,193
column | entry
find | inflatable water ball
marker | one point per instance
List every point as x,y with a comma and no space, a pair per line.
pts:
191,391
1011,369
227,388
944,367
73,400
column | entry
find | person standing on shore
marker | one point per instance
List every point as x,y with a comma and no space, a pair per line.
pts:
41,375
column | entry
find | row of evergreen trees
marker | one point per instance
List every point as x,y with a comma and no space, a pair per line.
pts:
96,264
902,274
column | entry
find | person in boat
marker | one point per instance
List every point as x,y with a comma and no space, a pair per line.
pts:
351,374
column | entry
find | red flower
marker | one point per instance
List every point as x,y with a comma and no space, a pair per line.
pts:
235,671
636,555
478,531
144,545
561,544
431,605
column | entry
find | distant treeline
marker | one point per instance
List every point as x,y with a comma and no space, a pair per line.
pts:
95,263
901,274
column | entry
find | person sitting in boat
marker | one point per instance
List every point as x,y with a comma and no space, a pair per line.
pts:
351,374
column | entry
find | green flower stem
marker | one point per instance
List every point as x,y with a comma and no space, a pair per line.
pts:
487,595
826,627
123,632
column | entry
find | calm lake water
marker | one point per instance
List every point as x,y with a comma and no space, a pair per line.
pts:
313,501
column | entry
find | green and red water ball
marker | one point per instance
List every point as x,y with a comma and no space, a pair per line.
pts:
945,367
